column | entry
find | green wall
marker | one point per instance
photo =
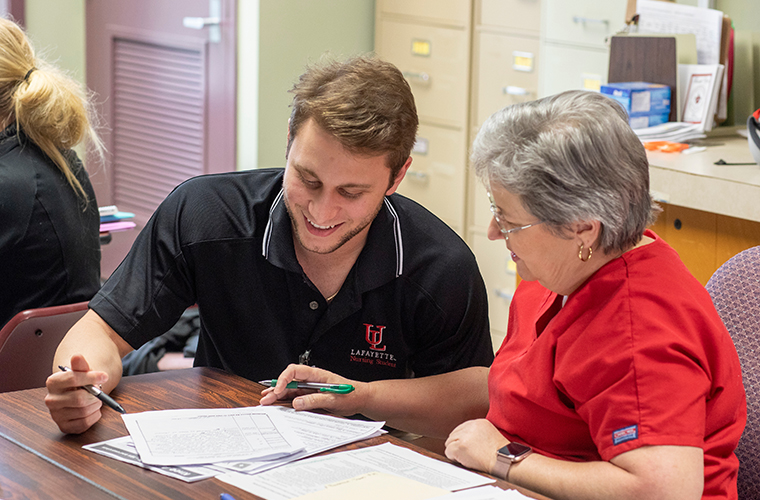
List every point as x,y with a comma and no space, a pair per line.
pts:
56,29
745,14
292,34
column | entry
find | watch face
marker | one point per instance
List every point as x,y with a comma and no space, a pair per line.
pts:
515,450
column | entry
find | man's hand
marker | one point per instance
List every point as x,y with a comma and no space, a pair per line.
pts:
74,410
474,444
340,404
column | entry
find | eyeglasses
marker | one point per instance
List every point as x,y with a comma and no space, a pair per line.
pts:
502,223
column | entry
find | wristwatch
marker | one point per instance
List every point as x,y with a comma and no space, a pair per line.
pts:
508,455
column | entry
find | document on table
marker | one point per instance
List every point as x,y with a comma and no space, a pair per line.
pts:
205,436
317,432
314,474
376,486
123,449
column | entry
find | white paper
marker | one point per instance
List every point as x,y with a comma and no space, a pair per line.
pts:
314,474
667,17
123,449
671,131
205,436
483,493
317,432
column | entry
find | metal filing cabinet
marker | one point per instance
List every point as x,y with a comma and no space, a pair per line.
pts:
505,71
575,53
464,60
429,41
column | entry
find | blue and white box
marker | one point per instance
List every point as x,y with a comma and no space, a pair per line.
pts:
644,121
640,98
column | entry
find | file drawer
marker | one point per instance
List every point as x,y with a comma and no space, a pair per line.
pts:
435,62
507,72
455,12
523,16
570,68
583,22
481,207
500,277
436,179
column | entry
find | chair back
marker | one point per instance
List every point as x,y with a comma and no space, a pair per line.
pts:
735,291
28,343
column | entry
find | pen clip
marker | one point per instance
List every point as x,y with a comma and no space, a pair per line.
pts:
338,389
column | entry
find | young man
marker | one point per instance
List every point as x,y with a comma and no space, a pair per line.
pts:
320,264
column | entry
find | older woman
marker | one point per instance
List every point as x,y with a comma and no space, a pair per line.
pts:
617,378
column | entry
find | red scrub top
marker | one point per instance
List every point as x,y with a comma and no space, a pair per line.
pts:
637,356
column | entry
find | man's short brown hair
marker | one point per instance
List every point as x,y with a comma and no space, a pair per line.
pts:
364,102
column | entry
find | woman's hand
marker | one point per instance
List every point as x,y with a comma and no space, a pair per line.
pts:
341,404
474,444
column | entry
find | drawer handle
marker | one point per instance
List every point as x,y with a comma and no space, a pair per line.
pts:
420,177
589,20
511,90
502,294
421,78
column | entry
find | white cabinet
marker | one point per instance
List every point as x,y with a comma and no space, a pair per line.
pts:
583,22
569,67
574,38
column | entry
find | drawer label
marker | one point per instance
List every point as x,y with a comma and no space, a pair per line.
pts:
421,146
522,61
421,48
591,82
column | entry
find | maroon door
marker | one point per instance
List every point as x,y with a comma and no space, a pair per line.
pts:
166,93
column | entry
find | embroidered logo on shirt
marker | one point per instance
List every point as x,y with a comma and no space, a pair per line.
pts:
625,434
374,337
376,354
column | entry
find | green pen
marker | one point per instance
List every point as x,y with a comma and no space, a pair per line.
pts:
335,388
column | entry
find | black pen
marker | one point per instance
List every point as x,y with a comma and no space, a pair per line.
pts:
95,391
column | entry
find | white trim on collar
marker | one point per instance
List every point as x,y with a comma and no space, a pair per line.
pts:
398,241
397,237
268,229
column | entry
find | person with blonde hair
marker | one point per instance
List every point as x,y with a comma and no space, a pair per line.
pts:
49,223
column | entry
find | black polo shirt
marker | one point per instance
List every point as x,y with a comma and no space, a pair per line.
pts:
414,302
49,248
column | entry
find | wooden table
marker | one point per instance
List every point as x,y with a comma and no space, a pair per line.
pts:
38,461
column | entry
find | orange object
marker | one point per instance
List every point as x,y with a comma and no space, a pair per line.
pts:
653,145
665,146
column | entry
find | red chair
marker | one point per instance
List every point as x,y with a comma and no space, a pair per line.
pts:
28,343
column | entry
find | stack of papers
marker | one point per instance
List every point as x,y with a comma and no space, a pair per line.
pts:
671,131
262,449
197,444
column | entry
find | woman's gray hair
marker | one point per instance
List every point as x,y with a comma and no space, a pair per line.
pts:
570,157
